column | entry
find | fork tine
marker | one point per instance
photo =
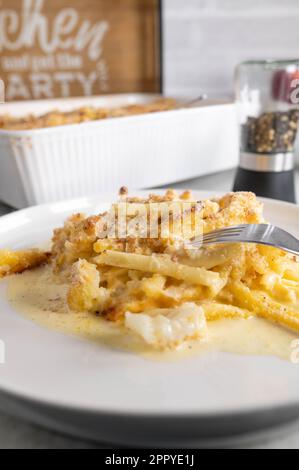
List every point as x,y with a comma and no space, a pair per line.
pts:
230,227
209,238
226,234
222,233
214,240
234,229
263,234
230,238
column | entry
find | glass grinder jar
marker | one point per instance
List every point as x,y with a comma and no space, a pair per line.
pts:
267,98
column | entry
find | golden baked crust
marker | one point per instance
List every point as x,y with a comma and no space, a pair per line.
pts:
85,114
78,237
74,240
13,262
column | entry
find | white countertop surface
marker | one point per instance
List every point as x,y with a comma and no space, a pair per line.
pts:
16,434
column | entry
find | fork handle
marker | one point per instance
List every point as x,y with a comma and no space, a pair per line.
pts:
272,184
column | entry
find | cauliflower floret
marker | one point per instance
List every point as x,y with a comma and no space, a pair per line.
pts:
168,328
84,293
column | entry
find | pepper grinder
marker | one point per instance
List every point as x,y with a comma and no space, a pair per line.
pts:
268,111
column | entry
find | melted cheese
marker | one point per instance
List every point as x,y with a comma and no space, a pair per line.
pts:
37,296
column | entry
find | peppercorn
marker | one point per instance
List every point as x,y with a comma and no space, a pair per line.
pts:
271,132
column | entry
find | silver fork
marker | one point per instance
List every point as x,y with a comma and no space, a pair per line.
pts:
262,234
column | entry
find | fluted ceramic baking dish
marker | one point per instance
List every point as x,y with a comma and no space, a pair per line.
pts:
50,164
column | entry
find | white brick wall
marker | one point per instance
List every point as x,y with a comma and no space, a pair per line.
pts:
205,39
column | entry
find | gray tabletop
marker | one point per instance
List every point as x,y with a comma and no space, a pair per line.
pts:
15,433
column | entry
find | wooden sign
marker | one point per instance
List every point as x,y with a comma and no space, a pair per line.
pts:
63,48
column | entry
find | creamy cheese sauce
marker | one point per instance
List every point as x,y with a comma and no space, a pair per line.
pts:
35,295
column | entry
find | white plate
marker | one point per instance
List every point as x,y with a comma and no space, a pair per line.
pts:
90,390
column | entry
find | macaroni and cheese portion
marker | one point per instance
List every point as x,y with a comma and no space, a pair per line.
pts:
134,266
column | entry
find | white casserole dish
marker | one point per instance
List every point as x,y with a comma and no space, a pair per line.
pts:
50,164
